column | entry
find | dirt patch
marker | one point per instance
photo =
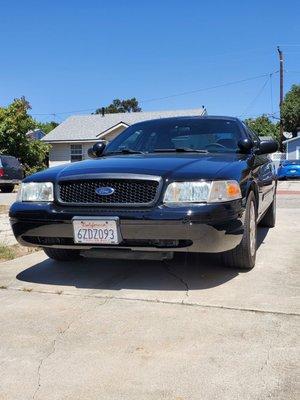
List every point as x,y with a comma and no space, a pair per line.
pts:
4,209
15,251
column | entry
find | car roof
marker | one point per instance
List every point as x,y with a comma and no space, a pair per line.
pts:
6,156
195,117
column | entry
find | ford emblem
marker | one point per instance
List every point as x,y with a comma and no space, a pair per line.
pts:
105,191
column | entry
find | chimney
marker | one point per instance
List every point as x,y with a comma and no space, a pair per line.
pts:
103,111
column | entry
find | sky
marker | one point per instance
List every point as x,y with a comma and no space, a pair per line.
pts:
70,57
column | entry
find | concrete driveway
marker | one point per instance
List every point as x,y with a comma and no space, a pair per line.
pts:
188,329
8,198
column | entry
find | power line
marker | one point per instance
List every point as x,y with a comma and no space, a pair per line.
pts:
290,45
204,89
169,96
252,102
292,72
67,112
266,114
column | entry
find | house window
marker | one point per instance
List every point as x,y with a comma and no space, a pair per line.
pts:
76,152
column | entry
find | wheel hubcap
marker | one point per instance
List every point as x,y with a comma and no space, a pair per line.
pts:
252,229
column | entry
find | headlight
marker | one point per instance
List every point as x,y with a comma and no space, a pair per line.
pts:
36,191
202,192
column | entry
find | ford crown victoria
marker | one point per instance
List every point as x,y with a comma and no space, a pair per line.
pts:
186,184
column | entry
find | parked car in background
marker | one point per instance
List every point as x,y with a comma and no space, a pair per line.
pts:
289,169
186,184
11,173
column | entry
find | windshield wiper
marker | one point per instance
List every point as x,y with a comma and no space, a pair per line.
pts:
180,150
125,151
189,150
176,150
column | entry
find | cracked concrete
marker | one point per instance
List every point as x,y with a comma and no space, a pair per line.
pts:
59,336
170,269
134,350
190,329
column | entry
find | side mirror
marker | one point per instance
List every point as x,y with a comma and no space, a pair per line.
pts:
245,145
97,150
267,147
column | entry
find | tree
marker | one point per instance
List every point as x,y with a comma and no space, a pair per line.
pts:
121,106
15,122
290,110
263,126
47,127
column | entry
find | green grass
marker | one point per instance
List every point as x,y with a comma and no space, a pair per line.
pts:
6,253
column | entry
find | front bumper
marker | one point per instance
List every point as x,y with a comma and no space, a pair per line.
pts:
203,228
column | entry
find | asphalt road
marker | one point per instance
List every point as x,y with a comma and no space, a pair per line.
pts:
189,329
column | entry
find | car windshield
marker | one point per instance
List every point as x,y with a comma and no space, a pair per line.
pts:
170,135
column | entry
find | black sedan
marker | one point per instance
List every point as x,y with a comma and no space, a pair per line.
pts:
188,184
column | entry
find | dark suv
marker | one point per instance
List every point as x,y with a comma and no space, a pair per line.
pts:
11,173
188,184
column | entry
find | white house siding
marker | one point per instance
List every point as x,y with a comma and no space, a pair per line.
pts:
293,149
60,153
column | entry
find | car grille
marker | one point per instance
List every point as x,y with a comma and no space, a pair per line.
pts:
126,192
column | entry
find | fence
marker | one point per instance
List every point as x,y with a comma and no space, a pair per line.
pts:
277,157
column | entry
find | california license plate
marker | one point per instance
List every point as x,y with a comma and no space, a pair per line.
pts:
96,230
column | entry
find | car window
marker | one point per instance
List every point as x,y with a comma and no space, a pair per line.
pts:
252,134
132,141
199,134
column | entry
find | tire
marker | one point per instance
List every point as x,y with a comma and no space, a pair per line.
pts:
243,256
8,188
269,219
62,254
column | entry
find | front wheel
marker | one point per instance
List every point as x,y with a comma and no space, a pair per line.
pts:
243,256
62,254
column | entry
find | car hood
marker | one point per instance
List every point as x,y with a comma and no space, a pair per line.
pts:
169,166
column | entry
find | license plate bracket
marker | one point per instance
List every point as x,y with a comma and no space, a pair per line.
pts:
96,230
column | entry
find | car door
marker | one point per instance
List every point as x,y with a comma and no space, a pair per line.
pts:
264,174
266,181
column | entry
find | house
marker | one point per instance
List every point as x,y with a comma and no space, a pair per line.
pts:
35,134
293,148
71,140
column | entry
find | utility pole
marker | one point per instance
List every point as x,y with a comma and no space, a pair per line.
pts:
281,94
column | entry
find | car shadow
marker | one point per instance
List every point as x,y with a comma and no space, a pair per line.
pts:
186,270
261,235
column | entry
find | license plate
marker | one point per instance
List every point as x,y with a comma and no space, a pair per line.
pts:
292,171
96,230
